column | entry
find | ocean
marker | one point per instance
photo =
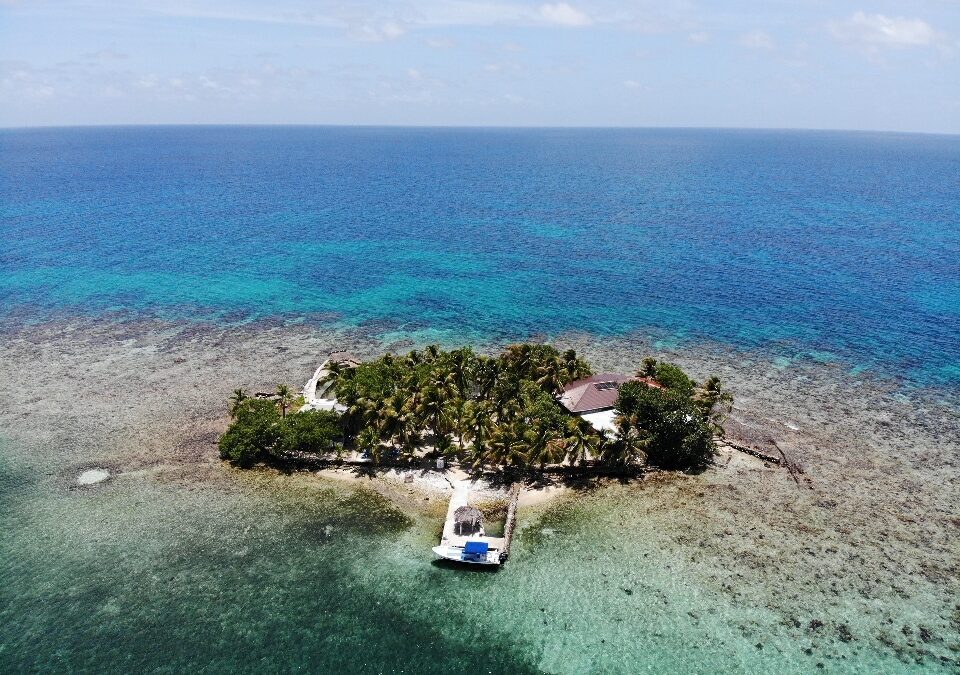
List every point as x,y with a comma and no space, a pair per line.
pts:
148,271
818,245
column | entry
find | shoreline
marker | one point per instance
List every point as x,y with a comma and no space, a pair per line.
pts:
435,483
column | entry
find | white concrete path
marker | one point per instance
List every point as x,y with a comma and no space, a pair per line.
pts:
315,402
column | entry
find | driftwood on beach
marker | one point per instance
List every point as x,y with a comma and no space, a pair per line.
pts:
754,452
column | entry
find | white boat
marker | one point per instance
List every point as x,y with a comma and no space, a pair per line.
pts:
463,539
474,552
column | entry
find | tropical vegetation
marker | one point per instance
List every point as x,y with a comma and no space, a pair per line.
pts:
492,413
262,431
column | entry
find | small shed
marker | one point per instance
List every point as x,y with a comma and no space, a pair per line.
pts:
467,520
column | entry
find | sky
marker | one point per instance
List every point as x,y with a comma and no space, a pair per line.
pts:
636,63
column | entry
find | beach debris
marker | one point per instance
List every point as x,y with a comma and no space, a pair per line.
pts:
93,476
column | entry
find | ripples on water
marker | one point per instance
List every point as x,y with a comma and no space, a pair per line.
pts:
816,245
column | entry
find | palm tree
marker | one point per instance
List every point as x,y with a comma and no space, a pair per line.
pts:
396,422
239,396
462,369
369,441
478,428
629,446
434,410
507,446
390,416
714,402
505,395
284,398
367,410
337,373
551,376
574,368
447,384
581,440
460,408
518,358
487,374
413,359
543,447
649,368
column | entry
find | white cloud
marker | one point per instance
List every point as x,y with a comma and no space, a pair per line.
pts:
213,85
632,84
698,38
502,68
757,39
388,30
878,30
563,14
25,84
22,81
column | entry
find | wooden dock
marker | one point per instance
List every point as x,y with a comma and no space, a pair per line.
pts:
451,542
511,523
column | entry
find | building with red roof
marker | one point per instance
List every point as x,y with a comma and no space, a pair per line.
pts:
594,397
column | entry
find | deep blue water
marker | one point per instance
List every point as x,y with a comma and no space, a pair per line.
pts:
826,245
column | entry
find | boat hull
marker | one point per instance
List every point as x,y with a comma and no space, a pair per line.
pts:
456,554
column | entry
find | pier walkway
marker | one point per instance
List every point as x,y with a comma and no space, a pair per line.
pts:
461,490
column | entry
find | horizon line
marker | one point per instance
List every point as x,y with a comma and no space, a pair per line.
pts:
479,127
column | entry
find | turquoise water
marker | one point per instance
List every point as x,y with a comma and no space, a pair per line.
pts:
804,243
818,249
288,575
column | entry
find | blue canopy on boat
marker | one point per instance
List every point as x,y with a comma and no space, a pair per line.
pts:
475,547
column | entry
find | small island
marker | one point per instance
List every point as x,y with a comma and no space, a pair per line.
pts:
531,410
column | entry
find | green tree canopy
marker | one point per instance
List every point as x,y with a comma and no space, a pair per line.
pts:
253,434
311,431
497,412
672,377
259,431
674,430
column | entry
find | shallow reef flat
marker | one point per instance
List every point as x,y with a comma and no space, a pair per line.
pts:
849,564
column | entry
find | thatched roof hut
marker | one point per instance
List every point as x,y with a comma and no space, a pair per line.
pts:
466,520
